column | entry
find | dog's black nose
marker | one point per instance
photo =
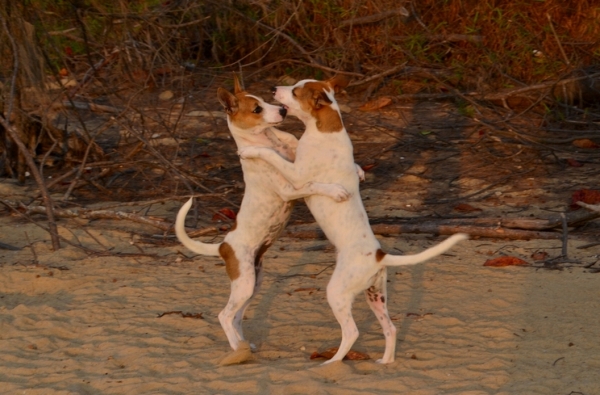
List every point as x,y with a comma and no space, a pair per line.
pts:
273,89
283,111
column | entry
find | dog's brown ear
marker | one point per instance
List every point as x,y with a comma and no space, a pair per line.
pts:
227,100
320,99
237,87
338,82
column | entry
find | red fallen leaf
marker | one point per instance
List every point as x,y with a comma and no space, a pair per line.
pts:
585,143
466,208
505,261
573,163
63,72
368,167
376,104
330,352
228,213
589,196
539,255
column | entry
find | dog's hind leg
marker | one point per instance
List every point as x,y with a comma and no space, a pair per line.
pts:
258,277
340,300
377,299
240,269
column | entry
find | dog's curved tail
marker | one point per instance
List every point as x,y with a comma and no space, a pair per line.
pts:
193,245
405,260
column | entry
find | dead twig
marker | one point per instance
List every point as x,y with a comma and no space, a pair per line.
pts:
562,50
30,245
375,17
5,246
386,73
593,207
181,313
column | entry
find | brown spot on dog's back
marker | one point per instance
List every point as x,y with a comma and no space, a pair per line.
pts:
232,264
380,255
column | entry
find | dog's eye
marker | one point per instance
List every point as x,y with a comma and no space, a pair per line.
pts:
257,110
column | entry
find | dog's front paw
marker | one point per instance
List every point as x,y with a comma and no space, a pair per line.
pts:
249,152
360,172
339,193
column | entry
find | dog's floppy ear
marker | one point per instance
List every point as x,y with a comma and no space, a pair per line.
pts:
320,99
227,100
338,82
237,87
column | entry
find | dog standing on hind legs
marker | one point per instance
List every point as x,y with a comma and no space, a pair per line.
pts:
325,154
265,208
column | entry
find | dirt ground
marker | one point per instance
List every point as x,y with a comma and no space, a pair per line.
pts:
86,319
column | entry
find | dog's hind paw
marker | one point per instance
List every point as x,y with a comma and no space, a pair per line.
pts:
384,362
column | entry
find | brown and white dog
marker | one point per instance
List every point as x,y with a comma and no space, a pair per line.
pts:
266,205
324,154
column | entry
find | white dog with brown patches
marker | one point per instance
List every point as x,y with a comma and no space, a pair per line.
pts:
324,154
266,205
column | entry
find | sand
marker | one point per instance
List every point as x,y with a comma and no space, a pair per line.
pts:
75,323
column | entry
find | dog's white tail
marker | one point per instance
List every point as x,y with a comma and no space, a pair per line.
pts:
193,245
404,260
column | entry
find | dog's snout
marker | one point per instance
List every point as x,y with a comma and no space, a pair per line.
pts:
283,111
273,90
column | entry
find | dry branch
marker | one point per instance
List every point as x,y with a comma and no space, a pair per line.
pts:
311,232
445,38
375,18
503,228
594,207
495,96
116,215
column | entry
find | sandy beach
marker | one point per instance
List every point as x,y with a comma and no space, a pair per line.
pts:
72,323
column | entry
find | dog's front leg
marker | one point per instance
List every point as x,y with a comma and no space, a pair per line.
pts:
288,170
334,191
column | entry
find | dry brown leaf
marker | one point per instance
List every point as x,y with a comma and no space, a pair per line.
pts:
505,261
224,212
466,208
376,104
539,255
585,143
368,167
589,196
330,352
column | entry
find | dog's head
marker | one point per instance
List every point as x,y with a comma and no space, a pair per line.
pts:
248,112
312,100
